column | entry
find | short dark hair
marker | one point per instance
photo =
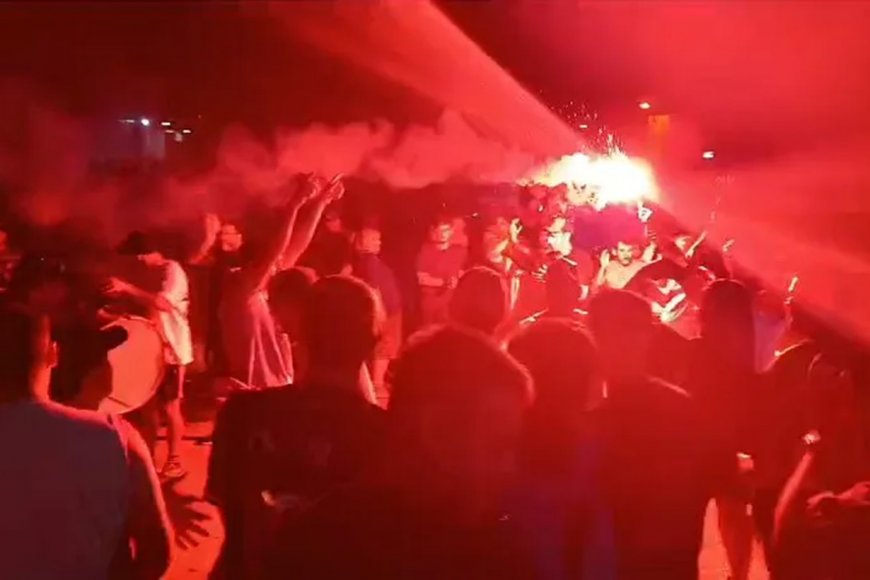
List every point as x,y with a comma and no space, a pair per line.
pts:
727,322
479,300
341,322
137,244
563,362
561,358
452,369
292,285
619,311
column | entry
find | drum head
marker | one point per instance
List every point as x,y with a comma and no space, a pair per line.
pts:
137,366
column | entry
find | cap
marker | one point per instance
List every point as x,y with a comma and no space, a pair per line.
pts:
81,349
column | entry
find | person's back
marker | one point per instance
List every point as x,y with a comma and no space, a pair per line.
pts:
64,490
659,475
79,497
430,509
660,466
277,451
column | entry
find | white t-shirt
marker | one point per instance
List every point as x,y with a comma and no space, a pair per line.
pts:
174,324
65,490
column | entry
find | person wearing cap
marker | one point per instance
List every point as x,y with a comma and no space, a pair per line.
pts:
169,308
79,496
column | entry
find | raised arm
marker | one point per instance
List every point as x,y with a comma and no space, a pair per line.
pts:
306,226
212,229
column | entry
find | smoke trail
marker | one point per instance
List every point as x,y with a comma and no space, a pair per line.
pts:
413,44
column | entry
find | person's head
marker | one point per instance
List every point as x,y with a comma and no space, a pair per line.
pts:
83,374
625,252
479,300
495,234
441,232
622,324
230,238
563,288
340,324
728,325
288,295
332,221
27,353
42,283
454,419
143,248
831,392
563,363
335,255
368,240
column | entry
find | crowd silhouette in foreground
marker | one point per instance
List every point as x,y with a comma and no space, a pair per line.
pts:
572,444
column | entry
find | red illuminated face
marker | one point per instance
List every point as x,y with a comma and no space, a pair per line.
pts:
230,238
441,234
369,241
625,253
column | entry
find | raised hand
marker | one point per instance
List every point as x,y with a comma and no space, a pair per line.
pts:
212,225
310,188
605,258
334,189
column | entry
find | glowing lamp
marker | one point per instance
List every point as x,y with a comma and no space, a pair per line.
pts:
708,154
186,131
644,105
145,122
166,123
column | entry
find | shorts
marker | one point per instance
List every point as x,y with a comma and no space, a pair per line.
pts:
171,388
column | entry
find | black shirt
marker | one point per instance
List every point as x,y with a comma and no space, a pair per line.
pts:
369,532
661,467
277,451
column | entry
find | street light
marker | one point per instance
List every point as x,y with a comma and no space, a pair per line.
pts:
644,105
145,122
708,154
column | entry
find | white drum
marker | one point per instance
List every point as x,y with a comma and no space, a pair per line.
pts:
137,366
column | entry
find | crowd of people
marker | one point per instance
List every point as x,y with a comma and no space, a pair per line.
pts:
545,419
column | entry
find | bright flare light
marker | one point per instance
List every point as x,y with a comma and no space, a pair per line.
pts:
644,105
708,154
615,178
145,122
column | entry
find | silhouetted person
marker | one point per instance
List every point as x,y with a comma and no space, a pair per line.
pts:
439,265
722,377
79,496
431,508
278,450
371,268
660,467
288,297
559,507
480,300
822,518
